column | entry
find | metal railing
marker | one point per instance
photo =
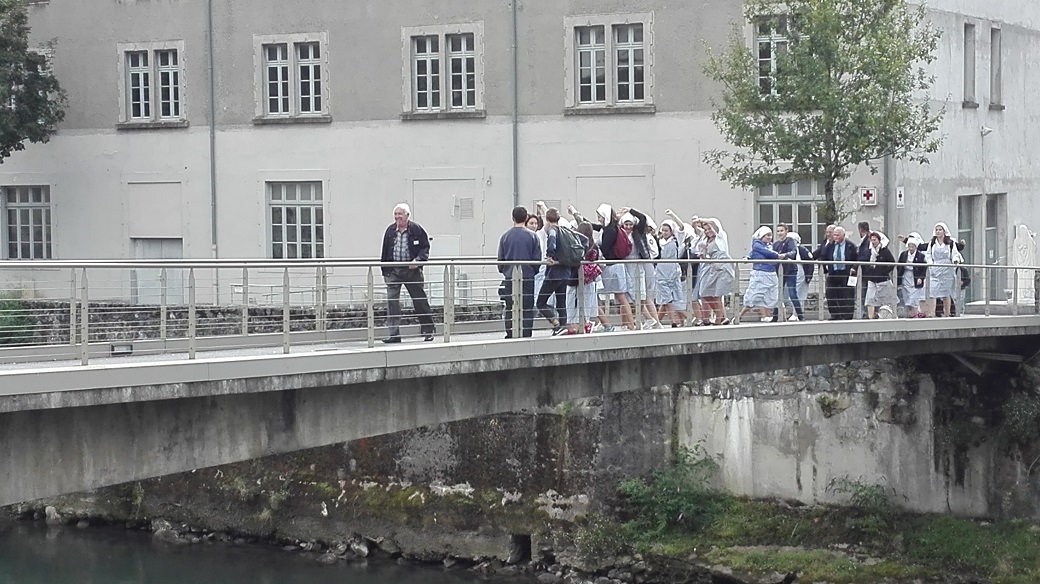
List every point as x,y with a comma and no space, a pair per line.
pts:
83,310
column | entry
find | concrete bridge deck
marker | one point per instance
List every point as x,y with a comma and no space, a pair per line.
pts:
67,427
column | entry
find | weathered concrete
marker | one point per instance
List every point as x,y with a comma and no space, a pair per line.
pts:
73,429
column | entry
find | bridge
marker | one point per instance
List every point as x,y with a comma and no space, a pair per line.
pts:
69,427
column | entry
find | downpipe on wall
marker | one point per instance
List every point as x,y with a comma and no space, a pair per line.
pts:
212,148
516,107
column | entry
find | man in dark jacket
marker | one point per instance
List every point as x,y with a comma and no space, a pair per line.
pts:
405,241
840,296
519,244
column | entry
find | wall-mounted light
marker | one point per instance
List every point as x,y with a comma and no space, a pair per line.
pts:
121,349
986,131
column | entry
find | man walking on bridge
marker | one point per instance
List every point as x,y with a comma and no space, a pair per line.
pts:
519,244
405,241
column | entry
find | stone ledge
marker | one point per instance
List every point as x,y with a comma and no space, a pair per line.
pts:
264,121
445,115
159,125
610,110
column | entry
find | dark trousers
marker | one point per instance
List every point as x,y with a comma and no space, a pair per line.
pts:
413,281
526,304
841,298
557,288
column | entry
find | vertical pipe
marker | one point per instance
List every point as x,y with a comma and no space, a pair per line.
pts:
985,290
84,323
212,132
821,290
245,302
285,311
688,290
324,306
72,307
371,307
1036,292
638,308
162,304
192,317
860,311
516,106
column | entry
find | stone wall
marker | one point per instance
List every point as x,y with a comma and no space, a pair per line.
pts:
795,434
48,322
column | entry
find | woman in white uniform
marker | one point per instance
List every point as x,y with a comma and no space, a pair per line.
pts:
941,252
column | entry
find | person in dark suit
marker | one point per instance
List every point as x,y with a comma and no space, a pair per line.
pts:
405,242
840,296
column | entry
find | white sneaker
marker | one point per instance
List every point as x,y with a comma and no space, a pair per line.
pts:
598,328
648,324
657,325
794,318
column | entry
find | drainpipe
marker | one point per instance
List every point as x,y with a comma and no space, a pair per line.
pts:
516,108
888,171
212,148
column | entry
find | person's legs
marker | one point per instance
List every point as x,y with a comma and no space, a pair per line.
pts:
507,298
527,296
393,309
791,286
422,307
626,310
542,304
560,294
947,306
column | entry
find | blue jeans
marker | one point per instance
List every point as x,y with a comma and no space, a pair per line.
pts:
791,288
526,303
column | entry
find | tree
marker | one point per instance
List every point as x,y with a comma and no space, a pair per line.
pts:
845,86
31,101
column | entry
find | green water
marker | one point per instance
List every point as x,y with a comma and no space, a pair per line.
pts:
31,553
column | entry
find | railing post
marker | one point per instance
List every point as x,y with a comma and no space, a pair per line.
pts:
638,308
518,300
72,307
985,290
285,311
688,289
579,297
371,307
781,309
162,304
245,302
84,324
192,317
821,290
1014,294
324,306
859,311
449,302
317,299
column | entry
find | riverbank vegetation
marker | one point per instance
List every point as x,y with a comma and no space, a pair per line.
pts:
675,513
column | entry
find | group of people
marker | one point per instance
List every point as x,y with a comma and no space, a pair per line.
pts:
553,253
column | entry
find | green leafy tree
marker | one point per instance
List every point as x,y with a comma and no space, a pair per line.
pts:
31,101
848,87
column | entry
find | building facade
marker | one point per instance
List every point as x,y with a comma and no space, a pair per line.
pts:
294,128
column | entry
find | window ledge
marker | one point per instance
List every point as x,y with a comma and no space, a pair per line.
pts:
325,119
608,110
157,125
967,104
997,107
445,115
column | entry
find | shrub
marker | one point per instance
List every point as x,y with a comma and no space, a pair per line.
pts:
677,496
15,325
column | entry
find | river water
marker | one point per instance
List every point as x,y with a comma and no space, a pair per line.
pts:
31,553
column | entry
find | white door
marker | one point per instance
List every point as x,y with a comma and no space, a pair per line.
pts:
146,283
445,209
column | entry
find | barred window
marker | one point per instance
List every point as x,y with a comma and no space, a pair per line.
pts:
297,219
27,229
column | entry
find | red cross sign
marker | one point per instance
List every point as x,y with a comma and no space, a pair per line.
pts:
868,196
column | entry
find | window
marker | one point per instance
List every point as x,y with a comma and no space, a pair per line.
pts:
292,78
794,204
27,222
969,66
996,70
445,71
608,64
297,219
772,37
153,89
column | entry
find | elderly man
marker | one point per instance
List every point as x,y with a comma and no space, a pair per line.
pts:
840,296
405,242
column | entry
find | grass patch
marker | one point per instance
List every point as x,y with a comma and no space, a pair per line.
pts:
814,565
1007,552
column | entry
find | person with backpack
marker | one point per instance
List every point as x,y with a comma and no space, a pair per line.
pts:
558,253
590,273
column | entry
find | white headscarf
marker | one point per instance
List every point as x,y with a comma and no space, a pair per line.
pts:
884,239
628,217
946,230
673,226
794,235
650,223
762,232
606,212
